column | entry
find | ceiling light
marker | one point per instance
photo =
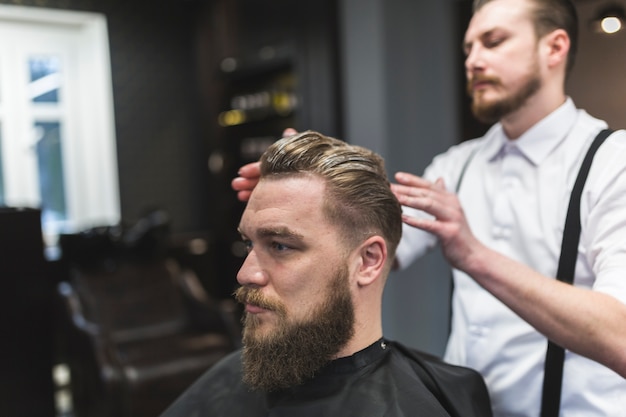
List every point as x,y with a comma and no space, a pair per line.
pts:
610,19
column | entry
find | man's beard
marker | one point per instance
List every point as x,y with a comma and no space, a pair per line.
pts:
295,351
492,111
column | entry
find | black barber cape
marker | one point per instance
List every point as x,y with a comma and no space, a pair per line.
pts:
385,379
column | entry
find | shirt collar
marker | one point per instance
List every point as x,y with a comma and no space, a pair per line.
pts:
538,141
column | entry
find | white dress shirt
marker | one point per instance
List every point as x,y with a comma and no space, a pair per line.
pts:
515,196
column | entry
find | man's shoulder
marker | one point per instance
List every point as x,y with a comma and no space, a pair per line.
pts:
230,363
423,361
225,372
461,390
219,392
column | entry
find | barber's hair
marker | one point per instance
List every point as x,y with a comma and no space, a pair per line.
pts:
358,197
549,15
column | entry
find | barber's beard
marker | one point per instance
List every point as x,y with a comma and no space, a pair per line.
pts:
492,111
295,351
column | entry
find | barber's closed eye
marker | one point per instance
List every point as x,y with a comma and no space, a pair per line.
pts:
493,41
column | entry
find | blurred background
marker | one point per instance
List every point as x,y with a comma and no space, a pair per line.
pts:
122,124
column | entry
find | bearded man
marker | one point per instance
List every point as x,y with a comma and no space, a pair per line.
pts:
321,228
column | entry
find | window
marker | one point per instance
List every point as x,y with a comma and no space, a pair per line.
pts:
57,140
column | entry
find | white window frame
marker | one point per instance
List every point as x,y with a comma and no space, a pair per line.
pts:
89,143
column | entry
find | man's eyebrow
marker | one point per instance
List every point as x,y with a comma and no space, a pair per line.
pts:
283,232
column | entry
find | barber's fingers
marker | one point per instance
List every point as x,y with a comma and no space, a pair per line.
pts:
248,178
413,186
440,184
243,187
250,170
289,132
411,180
244,184
244,196
434,200
425,200
249,174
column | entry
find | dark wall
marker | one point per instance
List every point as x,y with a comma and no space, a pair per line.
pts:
275,47
161,150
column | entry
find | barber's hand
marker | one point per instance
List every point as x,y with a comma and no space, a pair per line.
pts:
448,223
249,175
246,181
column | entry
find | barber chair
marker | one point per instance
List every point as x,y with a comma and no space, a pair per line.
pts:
139,330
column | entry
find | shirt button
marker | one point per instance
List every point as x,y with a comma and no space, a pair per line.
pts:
477,330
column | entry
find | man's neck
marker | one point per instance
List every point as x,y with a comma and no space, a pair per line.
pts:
534,110
364,337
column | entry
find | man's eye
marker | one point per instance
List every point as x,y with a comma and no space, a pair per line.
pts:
248,245
279,246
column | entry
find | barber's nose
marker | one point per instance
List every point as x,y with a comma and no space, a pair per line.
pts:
251,272
473,60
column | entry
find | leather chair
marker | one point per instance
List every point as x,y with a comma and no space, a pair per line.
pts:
138,331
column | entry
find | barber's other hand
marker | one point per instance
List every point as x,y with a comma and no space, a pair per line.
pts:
249,175
448,220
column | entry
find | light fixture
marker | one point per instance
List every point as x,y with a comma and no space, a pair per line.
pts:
610,19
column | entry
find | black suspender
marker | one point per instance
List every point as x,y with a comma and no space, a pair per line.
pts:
555,355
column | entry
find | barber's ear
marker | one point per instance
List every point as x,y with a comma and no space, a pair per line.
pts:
557,43
372,257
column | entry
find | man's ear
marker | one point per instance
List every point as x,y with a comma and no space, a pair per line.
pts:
557,43
372,258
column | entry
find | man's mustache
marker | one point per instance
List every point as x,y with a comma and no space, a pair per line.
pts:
476,79
253,296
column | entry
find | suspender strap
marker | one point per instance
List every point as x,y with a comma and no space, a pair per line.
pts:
463,169
456,190
555,355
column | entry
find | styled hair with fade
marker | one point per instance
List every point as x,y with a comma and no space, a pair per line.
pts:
358,197
549,15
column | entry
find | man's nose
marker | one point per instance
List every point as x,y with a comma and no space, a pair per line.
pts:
251,272
473,60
